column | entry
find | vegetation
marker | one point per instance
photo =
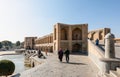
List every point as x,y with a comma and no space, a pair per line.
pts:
22,44
17,43
7,67
8,45
1,45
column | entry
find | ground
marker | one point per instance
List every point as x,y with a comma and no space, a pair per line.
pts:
79,66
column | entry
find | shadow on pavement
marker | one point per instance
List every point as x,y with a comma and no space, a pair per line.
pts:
75,63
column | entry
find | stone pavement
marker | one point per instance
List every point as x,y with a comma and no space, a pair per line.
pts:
79,66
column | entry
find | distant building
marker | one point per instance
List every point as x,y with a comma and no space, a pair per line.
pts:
29,42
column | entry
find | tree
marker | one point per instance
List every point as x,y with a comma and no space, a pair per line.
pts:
1,45
22,45
18,43
7,67
7,44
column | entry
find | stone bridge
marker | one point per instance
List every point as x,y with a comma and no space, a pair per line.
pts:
98,63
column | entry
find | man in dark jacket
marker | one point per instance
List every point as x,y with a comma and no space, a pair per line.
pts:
60,54
67,52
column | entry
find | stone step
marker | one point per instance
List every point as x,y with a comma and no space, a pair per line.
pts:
114,73
118,70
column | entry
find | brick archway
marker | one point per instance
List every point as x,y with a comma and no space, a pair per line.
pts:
76,47
64,34
77,34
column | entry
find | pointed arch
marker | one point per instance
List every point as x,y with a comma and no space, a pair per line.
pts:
77,34
63,34
92,36
54,33
100,35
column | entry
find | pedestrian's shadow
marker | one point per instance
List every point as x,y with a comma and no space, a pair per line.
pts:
74,63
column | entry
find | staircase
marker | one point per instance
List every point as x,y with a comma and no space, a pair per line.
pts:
113,73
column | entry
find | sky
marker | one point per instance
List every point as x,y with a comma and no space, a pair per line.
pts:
27,18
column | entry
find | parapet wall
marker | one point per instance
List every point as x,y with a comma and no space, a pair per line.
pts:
34,61
95,54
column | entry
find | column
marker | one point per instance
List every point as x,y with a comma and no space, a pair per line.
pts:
70,38
109,46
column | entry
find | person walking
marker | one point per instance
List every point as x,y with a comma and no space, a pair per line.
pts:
67,52
60,54
97,42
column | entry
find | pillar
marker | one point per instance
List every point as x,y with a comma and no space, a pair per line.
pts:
109,46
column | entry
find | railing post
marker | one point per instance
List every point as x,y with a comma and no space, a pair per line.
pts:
109,51
109,46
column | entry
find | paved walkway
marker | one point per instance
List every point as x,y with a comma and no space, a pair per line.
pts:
79,66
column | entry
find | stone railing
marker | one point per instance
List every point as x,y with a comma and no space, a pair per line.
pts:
105,60
95,54
33,61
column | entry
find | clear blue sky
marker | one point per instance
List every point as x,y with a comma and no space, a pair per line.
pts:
21,18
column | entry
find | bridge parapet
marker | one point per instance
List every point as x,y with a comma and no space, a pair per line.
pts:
105,60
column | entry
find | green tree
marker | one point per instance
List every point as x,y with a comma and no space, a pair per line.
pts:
7,67
22,45
1,45
7,43
18,43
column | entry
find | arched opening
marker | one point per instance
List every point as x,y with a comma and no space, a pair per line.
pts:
33,43
51,49
55,34
100,36
63,34
89,35
92,36
77,34
54,46
41,48
76,47
28,47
